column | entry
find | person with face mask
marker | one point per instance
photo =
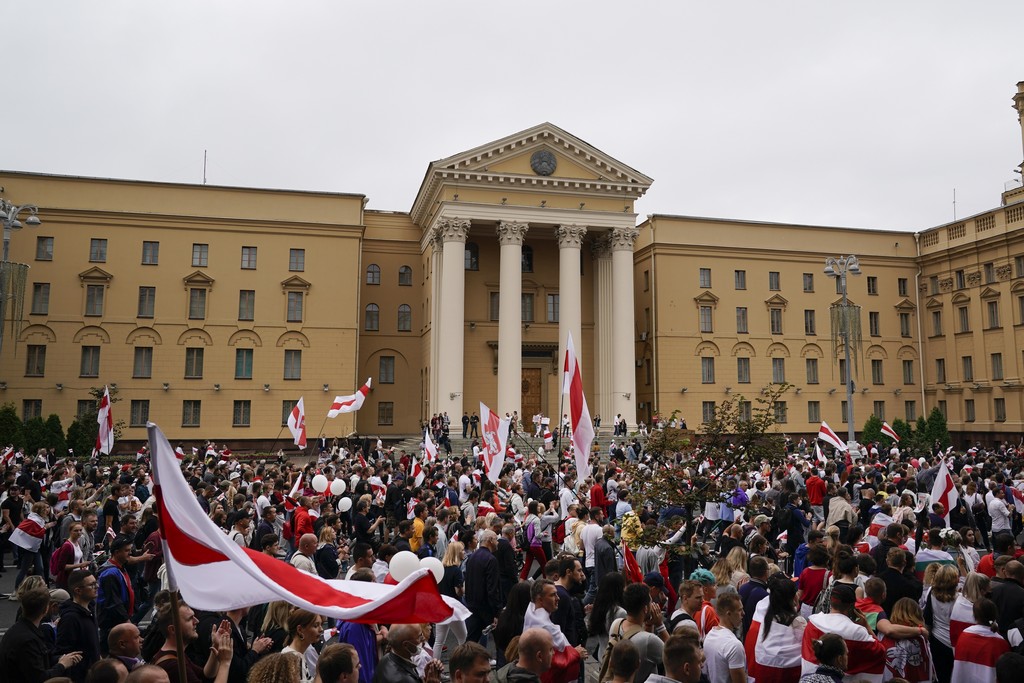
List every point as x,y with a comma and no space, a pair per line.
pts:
405,643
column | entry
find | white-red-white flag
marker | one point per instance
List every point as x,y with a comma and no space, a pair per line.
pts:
495,435
7,457
819,457
826,434
549,441
429,448
105,436
417,473
890,432
350,403
297,424
215,574
29,534
579,414
943,490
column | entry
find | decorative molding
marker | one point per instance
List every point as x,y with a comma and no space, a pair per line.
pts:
946,284
622,239
973,279
706,299
1004,272
570,236
905,305
95,275
600,247
776,301
989,293
452,230
198,279
295,283
512,232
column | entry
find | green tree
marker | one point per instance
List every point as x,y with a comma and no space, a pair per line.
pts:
872,430
55,436
937,429
81,439
12,429
920,438
36,436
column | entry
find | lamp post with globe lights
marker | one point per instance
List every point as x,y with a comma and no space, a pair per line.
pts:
847,317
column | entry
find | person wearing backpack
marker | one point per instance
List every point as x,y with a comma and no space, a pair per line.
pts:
115,599
68,557
642,626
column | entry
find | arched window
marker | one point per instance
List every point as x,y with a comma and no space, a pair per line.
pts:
405,318
373,274
527,259
405,276
372,318
472,256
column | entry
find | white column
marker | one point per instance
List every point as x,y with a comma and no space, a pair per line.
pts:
570,319
603,324
451,332
510,324
623,348
437,245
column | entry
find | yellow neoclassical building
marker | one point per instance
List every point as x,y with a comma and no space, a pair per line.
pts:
213,309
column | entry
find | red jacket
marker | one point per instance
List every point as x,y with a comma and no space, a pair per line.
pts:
597,497
815,490
301,523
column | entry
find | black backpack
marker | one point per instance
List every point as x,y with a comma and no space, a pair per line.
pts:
782,519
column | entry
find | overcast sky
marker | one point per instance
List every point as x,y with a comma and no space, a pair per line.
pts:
863,114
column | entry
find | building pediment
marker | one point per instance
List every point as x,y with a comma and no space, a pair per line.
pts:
95,275
198,279
989,293
961,298
706,299
295,282
776,301
933,303
905,304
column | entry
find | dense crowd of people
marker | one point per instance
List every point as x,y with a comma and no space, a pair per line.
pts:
817,570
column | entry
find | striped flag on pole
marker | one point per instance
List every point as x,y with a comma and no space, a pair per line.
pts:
29,534
826,434
350,403
579,413
943,490
105,436
890,432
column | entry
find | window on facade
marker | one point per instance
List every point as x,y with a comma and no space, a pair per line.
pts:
248,258
781,412
774,281
191,413
940,370
872,284
901,286
842,371
811,365
296,260
386,413
196,303
908,371
647,280
150,253
147,302
243,363
286,409
941,405
961,281
200,255
990,273
969,415
472,256
295,307
778,370
746,411
494,305
963,316
527,259
293,364
997,366
94,299
999,408
810,329
876,371
194,363
1018,263
527,307
41,298
743,370
405,318
741,279
139,413
705,278
844,409
405,276
937,323
142,364
31,408
35,360
808,282
878,408
246,304
814,411
1020,309
372,320
386,371
775,320
90,365
553,308
968,365
993,313
707,411
910,411
874,325
44,248
707,370
373,274
741,320
904,324
648,371
97,250
241,413
706,322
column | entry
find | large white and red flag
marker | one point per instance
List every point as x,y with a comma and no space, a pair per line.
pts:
416,472
495,435
549,441
105,436
943,490
350,403
215,574
429,448
297,424
7,457
775,657
826,434
29,534
579,415
890,432
866,654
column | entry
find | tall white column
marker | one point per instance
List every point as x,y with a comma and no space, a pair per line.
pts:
570,318
603,324
433,396
451,333
623,348
510,323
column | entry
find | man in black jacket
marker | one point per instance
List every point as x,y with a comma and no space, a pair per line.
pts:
897,583
604,553
483,586
25,656
77,630
396,666
1009,595
508,573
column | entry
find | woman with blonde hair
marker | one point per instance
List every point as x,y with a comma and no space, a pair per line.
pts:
451,585
304,629
275,624
909,658
938,609
326,557
976,587
736,562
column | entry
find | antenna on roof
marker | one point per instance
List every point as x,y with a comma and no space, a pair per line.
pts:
204,167
954,203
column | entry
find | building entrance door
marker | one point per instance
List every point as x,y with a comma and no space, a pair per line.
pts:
532,395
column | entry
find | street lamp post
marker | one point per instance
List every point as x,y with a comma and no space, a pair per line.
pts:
840,267
9,215
13,275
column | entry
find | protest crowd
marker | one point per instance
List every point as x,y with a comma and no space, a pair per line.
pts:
872,566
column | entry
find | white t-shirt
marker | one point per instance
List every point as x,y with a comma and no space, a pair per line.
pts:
465,484
588,536
724,652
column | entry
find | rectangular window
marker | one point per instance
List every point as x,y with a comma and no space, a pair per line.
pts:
961,281
494,307
247,304
910,411
993,314
191,413
386,372
940,370
1019,265
248,258
844,409
647,280
150,253
872,284
526,303
707,411
200,255
941,405
999,406
295,307
243,363
810,329
553,308
90,365
963,316
778,370
706,324
44,249
705,278
775,319
142,364
908,371
194,363
286,410
781,412
842,371
811,364
773,281
707,370
874,325
196,304
997,366
814,412
904,324
97,250
933,284
31,408
876,371
808,282
648,371
296,260
94,299
139,415
746,411
293,364
743,370
241,414
969,415
937,323
147,302
968,364
901,286
741,320
990,273
878,407
35,360
85,409
740,277
41,298
386,413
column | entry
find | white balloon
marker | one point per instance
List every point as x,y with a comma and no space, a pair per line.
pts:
345,505
434,565
319,483
403,564
337,487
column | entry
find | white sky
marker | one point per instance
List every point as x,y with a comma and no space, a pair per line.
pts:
865,114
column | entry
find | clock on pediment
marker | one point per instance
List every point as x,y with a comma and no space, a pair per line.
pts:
543,162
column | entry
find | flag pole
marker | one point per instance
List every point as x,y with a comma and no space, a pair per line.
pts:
321,432
179,642
276,439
